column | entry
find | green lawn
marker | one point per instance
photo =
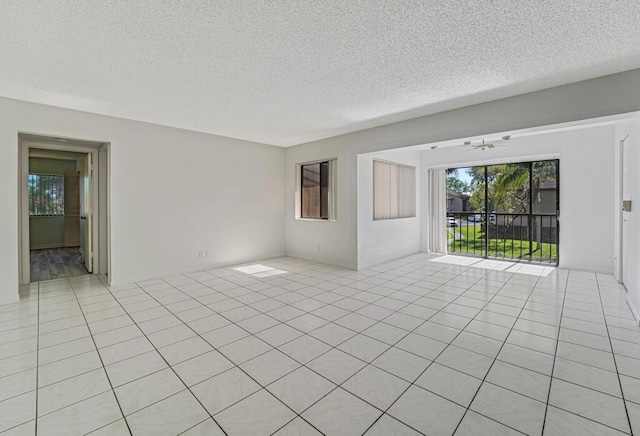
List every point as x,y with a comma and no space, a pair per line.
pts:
473,242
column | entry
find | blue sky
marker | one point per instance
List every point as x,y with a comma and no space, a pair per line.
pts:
463,175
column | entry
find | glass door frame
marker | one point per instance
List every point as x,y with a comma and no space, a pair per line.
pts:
530,216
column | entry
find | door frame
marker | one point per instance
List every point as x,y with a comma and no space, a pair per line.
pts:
619,265
530,214
100,225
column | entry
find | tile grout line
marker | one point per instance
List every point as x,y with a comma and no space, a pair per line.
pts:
396,290
306,312
187,388
286,322
275,348
233,363
586,387
593,389
613,354
101,361
163,358
384,412
387,349
443,350
339,386
494,361
555,354
265,313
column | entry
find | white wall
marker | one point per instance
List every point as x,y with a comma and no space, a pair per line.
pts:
226,195
336,242
383,240
631,225
322,240
172,194
587,185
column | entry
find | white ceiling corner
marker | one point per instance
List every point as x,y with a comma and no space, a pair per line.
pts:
285,72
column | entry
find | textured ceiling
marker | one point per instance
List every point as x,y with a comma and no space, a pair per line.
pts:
285,72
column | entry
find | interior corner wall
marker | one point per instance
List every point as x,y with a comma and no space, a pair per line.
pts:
384,240
173,193
337,242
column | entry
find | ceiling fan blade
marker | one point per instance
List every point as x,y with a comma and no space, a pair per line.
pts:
484,145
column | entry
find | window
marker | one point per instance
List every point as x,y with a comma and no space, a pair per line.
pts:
317,190
46,195
394,191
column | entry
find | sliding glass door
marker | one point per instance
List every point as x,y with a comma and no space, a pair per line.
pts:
507,211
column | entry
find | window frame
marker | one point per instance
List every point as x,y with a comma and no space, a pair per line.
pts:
322,187
56,215
331,188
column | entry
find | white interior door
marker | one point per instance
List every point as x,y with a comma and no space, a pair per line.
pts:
86,219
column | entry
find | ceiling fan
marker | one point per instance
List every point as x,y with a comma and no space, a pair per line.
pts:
484,145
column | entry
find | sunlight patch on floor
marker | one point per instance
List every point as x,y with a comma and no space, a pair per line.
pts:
497,265
259,270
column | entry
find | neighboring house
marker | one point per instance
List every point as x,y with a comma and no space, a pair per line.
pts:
457,202
545,199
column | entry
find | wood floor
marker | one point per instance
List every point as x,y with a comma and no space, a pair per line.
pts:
56,263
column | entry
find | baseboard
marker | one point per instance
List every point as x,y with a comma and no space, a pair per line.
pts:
390,259
129,280
322,262
119,282
634,310
586,269
13,300
46,246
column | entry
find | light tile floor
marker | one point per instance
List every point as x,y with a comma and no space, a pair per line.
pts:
435,346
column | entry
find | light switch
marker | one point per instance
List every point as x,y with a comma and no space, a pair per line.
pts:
626,205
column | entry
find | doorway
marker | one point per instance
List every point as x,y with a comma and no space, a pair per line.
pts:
505,211
63,213
54,197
